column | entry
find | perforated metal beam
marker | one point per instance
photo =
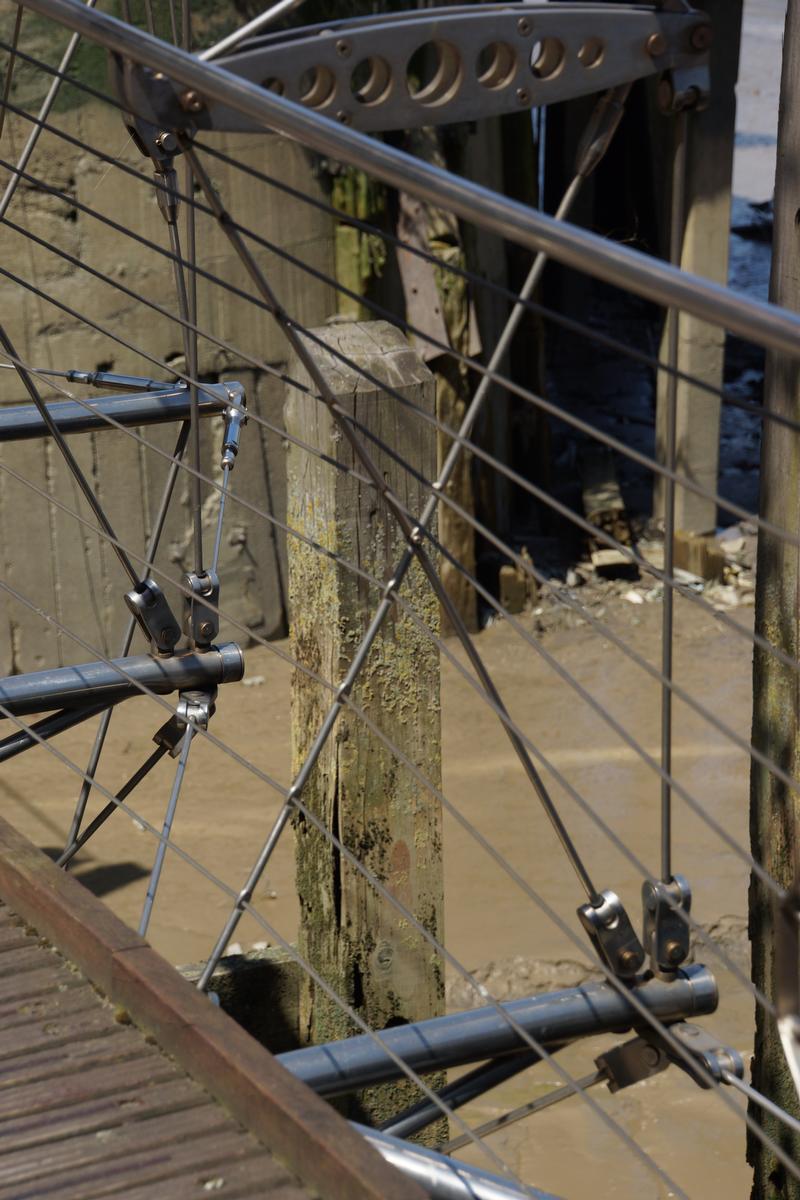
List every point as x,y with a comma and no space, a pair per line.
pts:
463,64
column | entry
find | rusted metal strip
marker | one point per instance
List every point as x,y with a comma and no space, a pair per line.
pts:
301,1129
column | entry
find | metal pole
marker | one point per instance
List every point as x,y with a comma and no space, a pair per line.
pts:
442,1177
281,9
169,817
670,456
117,679
555,1019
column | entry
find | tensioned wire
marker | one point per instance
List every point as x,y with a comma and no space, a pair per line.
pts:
480,988
690,800
578,943
696,807
477,280
583,804
694,804
209,876
538,402
657,575
474,448
482,991
508,472
544,497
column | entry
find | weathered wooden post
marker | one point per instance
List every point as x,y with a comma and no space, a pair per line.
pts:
360,944
709,167
775,808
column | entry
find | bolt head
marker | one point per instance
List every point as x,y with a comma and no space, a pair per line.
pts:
191,101
523,95
674,952
656,44
651,1056
205,629
701,37
167,142
343,117
343,48
629,960
524,26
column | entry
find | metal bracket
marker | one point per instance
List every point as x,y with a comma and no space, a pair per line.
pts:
200,622
195,705
638,1059
666,935
712,1057
148,604
235,421
612,935
435,67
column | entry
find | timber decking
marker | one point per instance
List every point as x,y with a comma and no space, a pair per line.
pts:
89,1109
119,1079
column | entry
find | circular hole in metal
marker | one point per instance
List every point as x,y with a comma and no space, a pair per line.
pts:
547,57
591,52
317,87
273,85
434,74
371,80
497,63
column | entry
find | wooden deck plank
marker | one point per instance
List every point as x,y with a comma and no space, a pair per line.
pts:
50,1006
283,1114
30,958
13,937
48,978
100,1113
55,1031
122,1166
86,1085
233,1181
121,1047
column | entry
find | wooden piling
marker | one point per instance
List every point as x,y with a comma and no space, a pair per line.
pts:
775,808
359,943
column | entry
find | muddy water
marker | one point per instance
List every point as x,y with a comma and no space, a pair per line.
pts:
224,813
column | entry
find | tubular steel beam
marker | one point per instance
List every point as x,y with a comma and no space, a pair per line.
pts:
22,421
110,682
13,745
445,1178
201,82
554,1020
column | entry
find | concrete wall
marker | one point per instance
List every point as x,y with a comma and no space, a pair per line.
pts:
47,555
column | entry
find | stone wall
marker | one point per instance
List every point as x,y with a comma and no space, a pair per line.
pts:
48,556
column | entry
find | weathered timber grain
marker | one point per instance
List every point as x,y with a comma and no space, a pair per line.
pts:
774,808
363,947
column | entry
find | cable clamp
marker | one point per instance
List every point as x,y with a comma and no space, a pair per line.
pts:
612,934
200,608
665,931
148,604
